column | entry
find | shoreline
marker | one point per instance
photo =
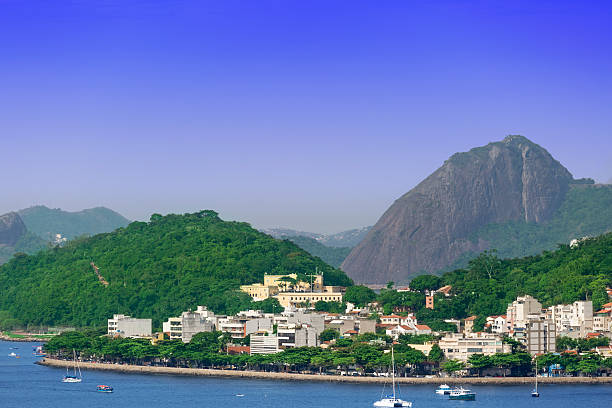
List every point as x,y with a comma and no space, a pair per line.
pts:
208,372
28,339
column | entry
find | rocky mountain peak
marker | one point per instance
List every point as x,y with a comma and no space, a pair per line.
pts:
12,229
428,228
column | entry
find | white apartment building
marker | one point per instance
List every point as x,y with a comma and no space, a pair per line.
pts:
189,324
294,335
240,327
527,324
126,326
517,312
173,327
461,346
264,343
577,317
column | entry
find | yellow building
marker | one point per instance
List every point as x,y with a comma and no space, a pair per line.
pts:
260,292
298,298
282,281
292,292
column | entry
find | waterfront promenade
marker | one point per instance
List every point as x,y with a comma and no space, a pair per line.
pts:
205,372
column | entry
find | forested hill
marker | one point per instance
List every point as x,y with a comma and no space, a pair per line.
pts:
489,284
155,269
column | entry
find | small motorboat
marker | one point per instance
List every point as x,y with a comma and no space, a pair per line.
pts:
104,388
240,395
462,394
443,389
38,352
12,354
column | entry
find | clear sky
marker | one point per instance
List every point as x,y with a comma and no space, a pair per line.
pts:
314,115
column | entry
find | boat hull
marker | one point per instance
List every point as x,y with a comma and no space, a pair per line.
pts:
390,402
463,397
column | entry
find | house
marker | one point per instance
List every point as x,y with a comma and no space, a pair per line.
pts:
391,319
445,290
468,324
234,349
497,324
398,330
604,351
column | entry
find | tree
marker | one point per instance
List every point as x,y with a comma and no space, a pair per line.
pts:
359,295
487,262
331,307
390,285
452,366
329,334
269,305
423,283
479,362
436,354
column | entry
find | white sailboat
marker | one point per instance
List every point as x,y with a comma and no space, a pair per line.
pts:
535,392
73,378
392,400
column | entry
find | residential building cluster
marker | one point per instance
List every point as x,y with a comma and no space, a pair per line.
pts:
526,321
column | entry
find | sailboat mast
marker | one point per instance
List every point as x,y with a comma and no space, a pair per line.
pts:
393,370
536,374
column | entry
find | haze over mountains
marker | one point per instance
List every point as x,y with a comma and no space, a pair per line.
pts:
31,229
349,238
510,195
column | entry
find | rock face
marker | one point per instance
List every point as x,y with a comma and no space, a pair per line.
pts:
12,229
427,229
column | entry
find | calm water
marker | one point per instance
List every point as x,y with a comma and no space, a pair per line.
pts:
24,384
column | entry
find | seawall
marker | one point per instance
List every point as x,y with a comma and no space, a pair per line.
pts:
26,339
206,372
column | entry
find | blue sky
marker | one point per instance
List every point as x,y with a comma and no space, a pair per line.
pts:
312,115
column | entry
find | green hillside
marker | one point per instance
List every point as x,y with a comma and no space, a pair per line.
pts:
586,211
155,269
488,284
46,222
332,255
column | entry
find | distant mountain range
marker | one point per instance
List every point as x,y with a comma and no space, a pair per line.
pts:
344,239
512,196
34,228
332,248
46,222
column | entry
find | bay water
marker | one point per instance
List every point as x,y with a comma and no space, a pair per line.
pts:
25,384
